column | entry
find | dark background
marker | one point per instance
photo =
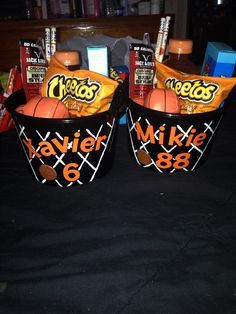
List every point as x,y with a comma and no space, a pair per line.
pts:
209,21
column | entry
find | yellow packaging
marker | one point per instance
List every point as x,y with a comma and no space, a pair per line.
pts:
196,93
83,92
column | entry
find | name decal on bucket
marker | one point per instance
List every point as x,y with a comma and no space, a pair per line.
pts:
173,137
47,148
55,147
170,143
68,156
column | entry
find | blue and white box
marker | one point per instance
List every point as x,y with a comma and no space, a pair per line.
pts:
98,59
219,60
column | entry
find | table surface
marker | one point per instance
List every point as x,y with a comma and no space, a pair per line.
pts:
134,241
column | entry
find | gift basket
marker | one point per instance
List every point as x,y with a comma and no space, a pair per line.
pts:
173,116
65,117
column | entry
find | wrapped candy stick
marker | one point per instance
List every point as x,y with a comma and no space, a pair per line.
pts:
53,40
159,38
164,39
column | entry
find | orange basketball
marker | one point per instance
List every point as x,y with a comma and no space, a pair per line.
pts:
162,100
44,107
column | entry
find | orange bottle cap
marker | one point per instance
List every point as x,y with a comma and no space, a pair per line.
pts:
180,46
67,57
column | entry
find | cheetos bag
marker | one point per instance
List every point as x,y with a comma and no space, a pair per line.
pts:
196,93
83,92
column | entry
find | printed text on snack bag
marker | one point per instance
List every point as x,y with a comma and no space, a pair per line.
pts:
61,86
193,90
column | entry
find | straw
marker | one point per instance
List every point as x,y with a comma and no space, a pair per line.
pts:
164,39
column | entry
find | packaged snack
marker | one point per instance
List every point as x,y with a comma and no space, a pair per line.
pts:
142,70
33,66
196,93
13,84
83,92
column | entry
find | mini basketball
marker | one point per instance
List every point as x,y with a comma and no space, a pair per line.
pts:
162,100
44,107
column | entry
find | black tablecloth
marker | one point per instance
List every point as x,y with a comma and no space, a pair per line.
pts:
134,241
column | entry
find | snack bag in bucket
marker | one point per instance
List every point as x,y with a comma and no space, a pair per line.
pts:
196,93
83,92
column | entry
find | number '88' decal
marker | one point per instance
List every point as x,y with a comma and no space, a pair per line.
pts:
166,160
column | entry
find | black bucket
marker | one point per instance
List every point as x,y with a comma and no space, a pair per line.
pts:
66,152
169,143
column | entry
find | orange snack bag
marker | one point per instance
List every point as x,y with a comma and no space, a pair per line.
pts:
83,92
196,93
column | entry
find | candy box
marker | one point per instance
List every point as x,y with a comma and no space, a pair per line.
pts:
169,143
219,60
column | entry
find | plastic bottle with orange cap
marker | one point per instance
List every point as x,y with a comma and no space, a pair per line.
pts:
179,55
70,59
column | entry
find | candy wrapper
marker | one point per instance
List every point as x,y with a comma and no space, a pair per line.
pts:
83,92
196,93
14,83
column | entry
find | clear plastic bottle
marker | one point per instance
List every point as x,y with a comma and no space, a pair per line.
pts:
179,51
